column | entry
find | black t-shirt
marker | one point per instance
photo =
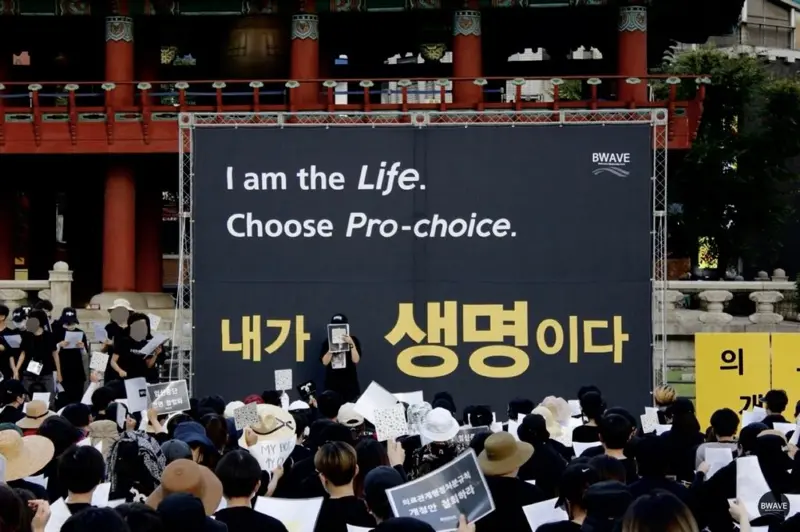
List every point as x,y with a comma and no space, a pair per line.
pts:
560,526
586,434
9,351
336,514
134,364
248,520
71,359
11,414
39,348
75,507
344,380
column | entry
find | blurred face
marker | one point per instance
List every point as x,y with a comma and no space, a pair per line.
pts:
71,327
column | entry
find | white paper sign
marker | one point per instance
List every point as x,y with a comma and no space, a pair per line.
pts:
580,447
136,394
339,360
100,334
717,458
246,416
297,515
649,421
574,407
13,341
41,396
283,379
100,495
154,321
411,398
785,428
151,346
99,361
272,454
756,415
513,427
750,484
73,338
87,395
374,397
542,513
390,423
59,513
661,429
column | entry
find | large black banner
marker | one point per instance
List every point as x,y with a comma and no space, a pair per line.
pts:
490,262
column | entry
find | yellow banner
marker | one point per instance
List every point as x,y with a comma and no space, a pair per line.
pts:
786,367
732,371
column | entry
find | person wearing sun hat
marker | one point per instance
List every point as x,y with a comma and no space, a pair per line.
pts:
185,476
500,461
35,414
116,330
437,433
25,456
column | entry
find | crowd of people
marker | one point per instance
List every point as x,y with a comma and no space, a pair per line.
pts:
194,470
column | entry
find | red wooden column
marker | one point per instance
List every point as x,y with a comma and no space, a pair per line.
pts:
632,55
119,58
149,260
119,231
467,56
305,60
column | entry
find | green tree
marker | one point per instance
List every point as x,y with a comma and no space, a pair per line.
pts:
735,185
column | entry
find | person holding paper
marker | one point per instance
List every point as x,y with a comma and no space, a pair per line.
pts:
6,354
572,486
724,426
127,361
71,342
340,368
116,331
39,357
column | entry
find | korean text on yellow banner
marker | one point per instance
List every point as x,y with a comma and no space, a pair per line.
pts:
786,367
732,371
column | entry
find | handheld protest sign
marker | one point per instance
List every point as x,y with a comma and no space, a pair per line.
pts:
168,397
138,330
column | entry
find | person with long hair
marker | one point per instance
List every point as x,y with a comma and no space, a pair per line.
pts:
659,511
546,465
592,407
682,440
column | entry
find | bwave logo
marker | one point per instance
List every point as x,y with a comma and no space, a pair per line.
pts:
611,163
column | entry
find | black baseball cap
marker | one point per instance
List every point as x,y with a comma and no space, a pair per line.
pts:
12,389
575,480
69,316
339,318
376,483
20,314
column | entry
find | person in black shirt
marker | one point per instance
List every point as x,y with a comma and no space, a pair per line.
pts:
340,368
47,307
574,482
240,475
775,403
6,368
39,357
15,328
81,470
592,407
127,360
71,357
116,331
13,397
615,432
337,464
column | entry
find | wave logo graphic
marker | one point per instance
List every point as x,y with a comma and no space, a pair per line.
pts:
615,170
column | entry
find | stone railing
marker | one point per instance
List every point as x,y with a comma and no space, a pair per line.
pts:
766,301
57,289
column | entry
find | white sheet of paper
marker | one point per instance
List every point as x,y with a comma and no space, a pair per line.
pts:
39,480
795,436
151,346
136,394
750,484
412,398
297,515
574,423
99,361
354,528
154,321
41,396
531,482
35,367
513,427
246,416
544,512
580,447
100,495
717,458
374,397
13,341
283,379
339,360
661,429
59,513
115,503
649,421
756,415
390,423
575,407
272,454
87,395
86,442
100,334
72,338
785,428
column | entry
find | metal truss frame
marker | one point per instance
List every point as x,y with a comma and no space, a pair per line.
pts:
181,363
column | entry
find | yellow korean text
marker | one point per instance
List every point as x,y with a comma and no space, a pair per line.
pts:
244,336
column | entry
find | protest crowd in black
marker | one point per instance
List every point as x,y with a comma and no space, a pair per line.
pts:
195,471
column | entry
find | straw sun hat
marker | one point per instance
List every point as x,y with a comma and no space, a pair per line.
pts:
185,476
24,456
274,424
502,454
35,414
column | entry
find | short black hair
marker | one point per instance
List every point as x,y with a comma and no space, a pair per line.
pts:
615,431
329,402
140,517
776,401
583,390
45,305
271,397
40,316
300,423
78,414
105,519
725,423
239,473
81,469
4,311
609,468
592,405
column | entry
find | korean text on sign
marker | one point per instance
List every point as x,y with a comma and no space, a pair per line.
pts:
731,369
551,337
246,338
168,397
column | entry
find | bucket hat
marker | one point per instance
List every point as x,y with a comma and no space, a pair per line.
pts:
502,454
439,426
185,476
